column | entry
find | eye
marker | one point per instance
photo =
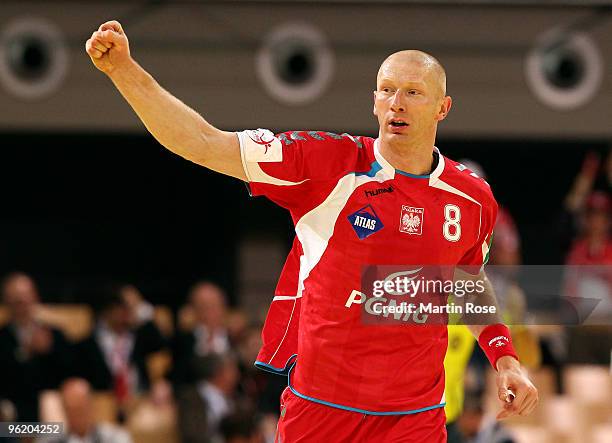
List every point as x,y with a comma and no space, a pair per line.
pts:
386,89
413,92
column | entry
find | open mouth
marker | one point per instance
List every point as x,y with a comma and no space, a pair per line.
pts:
398,124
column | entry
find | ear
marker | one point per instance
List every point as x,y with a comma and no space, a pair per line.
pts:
445,107
374,107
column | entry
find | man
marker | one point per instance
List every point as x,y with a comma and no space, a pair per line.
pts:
81,426
35,356
114,356
203,405
355,201
209,334
241,428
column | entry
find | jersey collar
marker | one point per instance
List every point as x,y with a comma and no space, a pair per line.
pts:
433,177
390,170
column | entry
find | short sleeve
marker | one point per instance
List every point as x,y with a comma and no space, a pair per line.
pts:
291,166
477,256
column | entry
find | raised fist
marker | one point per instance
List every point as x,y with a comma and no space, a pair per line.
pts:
108,47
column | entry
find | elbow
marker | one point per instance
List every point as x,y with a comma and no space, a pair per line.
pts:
194,146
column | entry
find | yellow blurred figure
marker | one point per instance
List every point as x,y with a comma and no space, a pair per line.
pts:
460,347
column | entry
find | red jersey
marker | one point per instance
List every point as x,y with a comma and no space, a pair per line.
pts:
279,335
581,253
352,208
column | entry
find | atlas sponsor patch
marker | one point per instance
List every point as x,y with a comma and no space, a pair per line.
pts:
365,222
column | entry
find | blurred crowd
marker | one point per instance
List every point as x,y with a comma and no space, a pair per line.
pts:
203,372
189,376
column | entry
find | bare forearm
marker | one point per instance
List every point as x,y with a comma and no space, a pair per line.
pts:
485,299
476,330
171,122
174,124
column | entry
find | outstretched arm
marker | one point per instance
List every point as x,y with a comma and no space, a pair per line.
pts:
174,124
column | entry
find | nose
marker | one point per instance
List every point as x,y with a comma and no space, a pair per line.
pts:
396,103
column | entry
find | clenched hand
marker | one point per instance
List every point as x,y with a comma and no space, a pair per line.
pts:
108,47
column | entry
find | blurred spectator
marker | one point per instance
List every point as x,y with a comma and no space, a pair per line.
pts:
592,177
460,348
585,224
35,356
504,262
507,240
114,356
588,283
8,413
237,325
503,270
476,427
209,334
504,255
80,426
141,311
204,404
252,380
261,387
593,246
241,428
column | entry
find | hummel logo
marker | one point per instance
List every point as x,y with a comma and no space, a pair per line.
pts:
500,341
375,192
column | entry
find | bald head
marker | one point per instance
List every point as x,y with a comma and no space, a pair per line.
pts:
77,400
409,102
208,303
402,60
75,390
